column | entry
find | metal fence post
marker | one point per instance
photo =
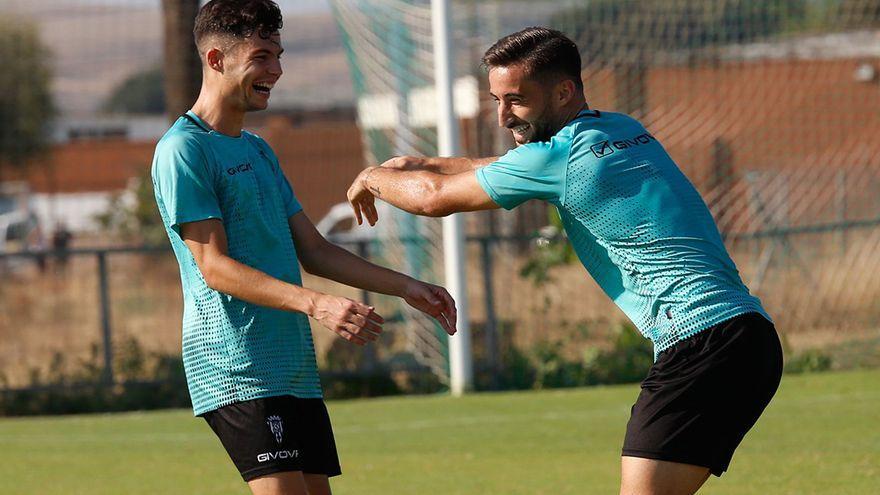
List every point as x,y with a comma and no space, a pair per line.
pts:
363,250
491,329
370,357
840,207
105,317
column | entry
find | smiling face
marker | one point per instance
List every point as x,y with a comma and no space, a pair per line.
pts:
251,69
525,106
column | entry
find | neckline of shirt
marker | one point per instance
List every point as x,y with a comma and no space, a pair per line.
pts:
195,119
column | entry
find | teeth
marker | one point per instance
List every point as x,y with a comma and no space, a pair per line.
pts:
521,128
267,85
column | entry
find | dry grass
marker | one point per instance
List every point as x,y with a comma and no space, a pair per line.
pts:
822,293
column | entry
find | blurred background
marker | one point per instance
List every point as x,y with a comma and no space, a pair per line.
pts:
771,107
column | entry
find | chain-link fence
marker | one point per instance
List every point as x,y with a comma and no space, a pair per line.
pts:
770,107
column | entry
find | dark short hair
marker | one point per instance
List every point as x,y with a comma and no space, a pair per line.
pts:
237,18
543,53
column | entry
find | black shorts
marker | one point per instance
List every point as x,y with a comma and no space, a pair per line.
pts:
277,434
704,393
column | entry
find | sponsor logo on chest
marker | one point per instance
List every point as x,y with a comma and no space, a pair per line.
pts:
240,168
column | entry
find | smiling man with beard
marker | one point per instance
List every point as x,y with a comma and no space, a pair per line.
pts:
239,235
641,230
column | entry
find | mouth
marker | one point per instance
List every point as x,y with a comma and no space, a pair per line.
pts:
263,88
520,129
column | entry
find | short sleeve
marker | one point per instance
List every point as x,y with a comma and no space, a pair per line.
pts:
184,181
288,198
531,171
291,204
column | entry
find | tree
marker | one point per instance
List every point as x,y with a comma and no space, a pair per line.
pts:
26,105
132,215
183,69
141,93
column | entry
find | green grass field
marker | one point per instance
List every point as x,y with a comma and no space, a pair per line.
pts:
821,435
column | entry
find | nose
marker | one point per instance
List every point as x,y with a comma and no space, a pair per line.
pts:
275,68
503,114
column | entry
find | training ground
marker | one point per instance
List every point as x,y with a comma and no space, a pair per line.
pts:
821,435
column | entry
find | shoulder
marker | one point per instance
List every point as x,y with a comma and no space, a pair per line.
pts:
257,141
181,147
540,153
181,137
608,126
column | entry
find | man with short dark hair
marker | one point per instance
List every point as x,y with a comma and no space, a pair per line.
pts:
641,230
239,234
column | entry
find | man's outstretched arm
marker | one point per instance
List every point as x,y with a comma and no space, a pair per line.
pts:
207,242
420,192
438,165
325,259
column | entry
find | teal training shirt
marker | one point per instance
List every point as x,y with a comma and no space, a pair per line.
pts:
636,222
233,350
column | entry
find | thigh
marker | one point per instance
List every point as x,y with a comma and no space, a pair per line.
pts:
286,483
641,476
318,484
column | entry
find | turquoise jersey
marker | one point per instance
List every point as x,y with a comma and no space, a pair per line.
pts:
636,222
234,350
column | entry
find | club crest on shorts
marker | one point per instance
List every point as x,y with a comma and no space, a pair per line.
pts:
275,427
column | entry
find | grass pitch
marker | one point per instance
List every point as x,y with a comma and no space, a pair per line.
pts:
821,435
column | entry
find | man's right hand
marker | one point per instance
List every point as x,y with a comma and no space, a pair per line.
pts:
362,199
351,320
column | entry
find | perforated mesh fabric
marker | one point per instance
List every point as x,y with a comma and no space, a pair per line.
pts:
636,222
233,350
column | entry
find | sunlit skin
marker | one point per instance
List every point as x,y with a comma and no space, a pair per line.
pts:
532,110
238,77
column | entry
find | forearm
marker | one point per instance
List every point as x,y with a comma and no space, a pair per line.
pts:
241,281
438,165
410,190
335,263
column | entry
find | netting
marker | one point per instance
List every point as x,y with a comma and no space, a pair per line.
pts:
389,49
770,107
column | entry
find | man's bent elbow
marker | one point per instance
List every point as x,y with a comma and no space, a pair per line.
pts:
433,205
210,269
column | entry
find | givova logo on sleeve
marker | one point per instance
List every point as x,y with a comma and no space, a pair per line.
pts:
601,149
605,148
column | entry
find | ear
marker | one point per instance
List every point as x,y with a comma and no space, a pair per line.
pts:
214,59
565,91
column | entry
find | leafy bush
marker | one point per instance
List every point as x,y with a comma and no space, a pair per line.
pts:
808,361
546,366
145,380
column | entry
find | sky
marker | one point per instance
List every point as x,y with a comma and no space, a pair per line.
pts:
287,6
86,68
